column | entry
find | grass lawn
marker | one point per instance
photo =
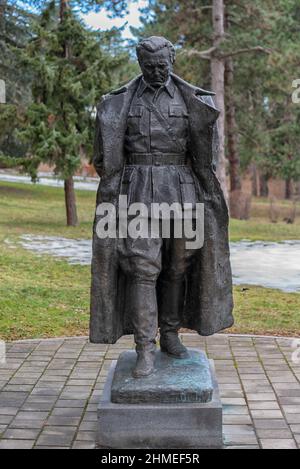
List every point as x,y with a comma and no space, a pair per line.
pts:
41,297
44,297
41,210
259,227
265,311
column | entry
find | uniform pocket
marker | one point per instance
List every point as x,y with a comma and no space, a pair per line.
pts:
187,186
186,176
136,111
126,182
128,174
178,120
134,120
176,110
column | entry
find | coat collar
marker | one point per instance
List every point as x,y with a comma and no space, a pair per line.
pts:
115,105
138,81
193,89
169,86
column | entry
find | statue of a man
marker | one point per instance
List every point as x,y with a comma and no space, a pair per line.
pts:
156,141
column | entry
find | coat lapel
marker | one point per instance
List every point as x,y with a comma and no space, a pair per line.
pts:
112,114
202,118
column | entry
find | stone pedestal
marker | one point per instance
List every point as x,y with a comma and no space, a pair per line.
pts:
176,407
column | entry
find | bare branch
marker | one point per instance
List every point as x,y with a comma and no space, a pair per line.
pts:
247,136
205,7
206,54
264,50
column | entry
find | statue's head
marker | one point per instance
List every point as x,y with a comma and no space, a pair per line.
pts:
156,56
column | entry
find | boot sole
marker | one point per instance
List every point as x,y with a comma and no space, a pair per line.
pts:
137,376
182,357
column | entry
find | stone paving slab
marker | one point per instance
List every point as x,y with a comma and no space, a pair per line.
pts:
50,389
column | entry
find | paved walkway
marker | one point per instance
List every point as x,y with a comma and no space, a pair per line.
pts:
49,390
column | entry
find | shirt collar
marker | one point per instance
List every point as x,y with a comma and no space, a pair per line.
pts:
169,86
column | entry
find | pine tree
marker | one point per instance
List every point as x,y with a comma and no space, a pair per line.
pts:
71,71
281,151
14,33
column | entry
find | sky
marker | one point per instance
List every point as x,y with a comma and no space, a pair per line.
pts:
102,21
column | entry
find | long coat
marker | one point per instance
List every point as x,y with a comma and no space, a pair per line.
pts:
208,305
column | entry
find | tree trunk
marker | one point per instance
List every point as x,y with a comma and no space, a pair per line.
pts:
70,199
264,188
218,86
64,7
254,180
231,128
288,189
3,4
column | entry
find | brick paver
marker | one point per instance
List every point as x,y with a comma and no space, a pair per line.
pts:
50,389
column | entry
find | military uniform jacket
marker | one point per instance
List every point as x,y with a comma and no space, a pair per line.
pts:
162,182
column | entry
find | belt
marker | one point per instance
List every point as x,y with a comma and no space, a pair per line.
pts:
156,159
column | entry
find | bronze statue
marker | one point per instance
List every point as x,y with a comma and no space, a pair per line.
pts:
156,141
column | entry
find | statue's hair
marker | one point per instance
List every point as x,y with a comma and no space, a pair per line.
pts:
154,44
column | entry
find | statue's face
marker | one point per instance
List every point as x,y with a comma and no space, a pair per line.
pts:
156,66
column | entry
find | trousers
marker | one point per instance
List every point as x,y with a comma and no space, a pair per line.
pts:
144,262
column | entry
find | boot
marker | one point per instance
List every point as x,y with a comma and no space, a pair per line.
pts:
144,319
170,344
172,295
145,361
